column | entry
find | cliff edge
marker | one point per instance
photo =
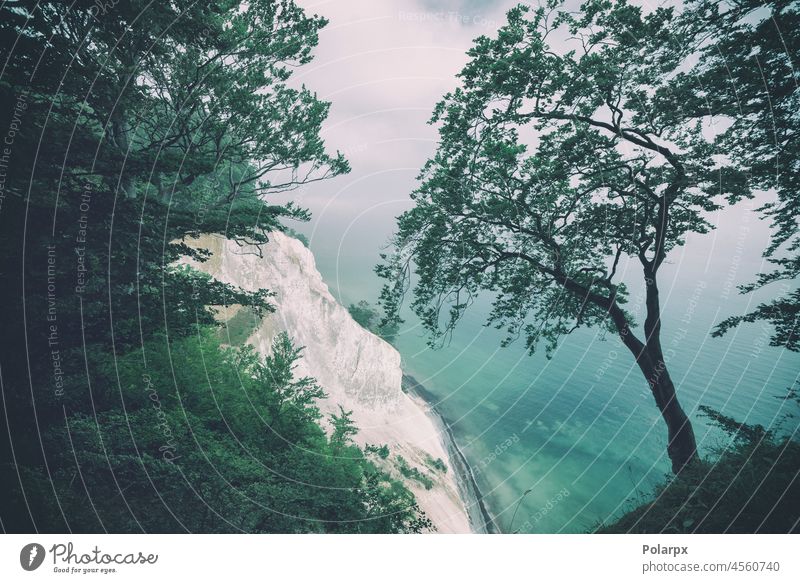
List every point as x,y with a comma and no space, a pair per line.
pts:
358,370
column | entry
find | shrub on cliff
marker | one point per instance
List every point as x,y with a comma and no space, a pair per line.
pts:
372,319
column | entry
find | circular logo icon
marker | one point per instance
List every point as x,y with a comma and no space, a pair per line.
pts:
31,556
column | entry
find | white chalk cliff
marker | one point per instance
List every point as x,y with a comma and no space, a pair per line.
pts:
358,370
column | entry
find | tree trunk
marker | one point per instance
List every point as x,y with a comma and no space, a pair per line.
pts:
682,447
681,444
120,127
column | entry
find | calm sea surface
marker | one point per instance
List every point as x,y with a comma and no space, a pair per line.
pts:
577,439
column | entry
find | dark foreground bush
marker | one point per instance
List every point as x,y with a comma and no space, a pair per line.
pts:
752,485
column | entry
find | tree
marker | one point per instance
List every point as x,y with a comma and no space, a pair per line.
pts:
747,74
364,314
141,125
132,127
344,428
553,167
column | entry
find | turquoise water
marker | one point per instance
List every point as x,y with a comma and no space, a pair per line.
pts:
577,440
580,433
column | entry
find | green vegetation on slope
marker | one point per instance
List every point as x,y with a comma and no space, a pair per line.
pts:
215,439
412,473
750,485
372,319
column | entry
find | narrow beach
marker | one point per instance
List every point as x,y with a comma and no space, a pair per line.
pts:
480,518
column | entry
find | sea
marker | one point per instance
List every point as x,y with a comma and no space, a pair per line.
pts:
567,442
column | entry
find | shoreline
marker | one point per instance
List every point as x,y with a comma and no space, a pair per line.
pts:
479,516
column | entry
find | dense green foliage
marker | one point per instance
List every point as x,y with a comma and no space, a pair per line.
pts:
749,485
381,451
437,464
142,126
215,440
748,75
133,126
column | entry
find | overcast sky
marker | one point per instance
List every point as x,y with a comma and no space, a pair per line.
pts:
383,64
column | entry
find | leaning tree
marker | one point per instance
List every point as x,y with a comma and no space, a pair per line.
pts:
562,156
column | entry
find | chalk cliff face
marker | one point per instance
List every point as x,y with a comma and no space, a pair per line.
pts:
359,371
